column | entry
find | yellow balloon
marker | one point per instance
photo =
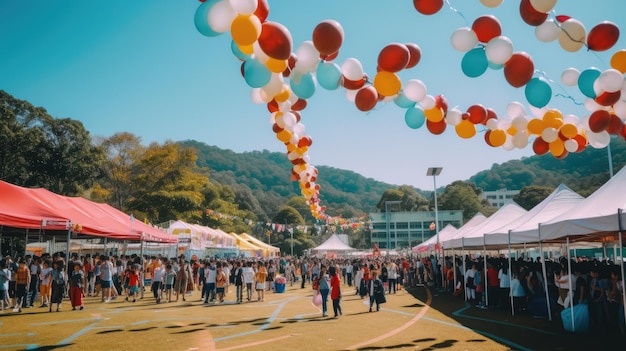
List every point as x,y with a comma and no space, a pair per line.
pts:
276,66
246,49
283,95
618,61
434,114
291,147
497,137
465,129
245,29
387,83
568,130
553,118
557,147
536,126
284,136
512,130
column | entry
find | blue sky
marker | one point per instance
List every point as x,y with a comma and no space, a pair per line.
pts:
142,67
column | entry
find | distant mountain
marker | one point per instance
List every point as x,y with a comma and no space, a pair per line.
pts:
265,176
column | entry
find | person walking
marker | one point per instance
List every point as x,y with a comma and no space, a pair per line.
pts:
77,280
59,278
324,288
376,291
335,290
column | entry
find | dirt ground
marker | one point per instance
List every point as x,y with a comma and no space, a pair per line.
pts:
412,319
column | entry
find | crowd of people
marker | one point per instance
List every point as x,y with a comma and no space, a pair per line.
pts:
48,280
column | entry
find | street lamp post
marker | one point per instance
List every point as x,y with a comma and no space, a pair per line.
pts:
387,203
434,172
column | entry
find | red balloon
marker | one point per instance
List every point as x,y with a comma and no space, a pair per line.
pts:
272,106
603,36
329,57
366,98
442,103
275,40
491,113
562,18
328,37
276,128
262,10
428,7
436,127
297,114
486,28
582,142
563,155
608,99
299,105
530,15
415,54
540,146
616,125
519,69
623,132
291,63
305,141
353,84
487,134
477,113
599,121
393,57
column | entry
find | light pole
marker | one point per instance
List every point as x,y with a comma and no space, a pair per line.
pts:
434,172
387,203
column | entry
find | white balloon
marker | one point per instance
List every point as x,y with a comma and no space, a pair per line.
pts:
571,119
428,102
464,39
571,145
597,89
454,117
272,119
504,124
499,50
520,123
255,96
491,3
306,158
492,123
599,140
620,109
414,90
308,57
548,31
508,144
549,134
591,105
515,109
569,76
352,69
538,112
244,7
259,54
611,80
572,36
298,128
284,106
520,139
274,86
221,16
351,94
543,5
584,123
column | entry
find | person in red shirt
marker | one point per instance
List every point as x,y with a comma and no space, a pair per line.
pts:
133,282
493,285
335,290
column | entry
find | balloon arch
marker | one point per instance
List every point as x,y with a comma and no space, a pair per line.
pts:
284,79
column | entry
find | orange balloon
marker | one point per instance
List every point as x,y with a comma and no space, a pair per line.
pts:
246,49
557,147
568,130
511,130
276,66
245,30
283,95
434,114
465,129
553,118
284,136
387,83
618,61
497,137
536,126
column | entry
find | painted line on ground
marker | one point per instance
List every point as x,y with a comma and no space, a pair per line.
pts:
399,329
97,319
77,334
256,343
264,326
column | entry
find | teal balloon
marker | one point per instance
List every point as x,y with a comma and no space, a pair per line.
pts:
586,80
538,92
495,66
237,52
474,62
201,18
403,101
414,117
305,88
256,74
328,75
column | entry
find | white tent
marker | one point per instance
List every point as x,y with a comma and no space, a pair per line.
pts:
524,229
475,236
430,244
594,218
333,244
476,221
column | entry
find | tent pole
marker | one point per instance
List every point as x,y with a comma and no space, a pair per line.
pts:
464,269
104,249
69,236
454,270
571,294
621,258
26,242
545,275
510,276
486,283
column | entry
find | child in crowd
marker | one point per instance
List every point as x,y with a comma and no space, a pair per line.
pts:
169,282
45,279
58,284
248,279
76,286
220,282
133,282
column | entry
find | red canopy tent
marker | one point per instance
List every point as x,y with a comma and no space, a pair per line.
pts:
41,209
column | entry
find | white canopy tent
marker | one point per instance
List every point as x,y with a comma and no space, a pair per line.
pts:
431,244
333,244
476,221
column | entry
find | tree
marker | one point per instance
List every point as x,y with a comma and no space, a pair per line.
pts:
390,195
411,199
531,195
461,196
288,215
